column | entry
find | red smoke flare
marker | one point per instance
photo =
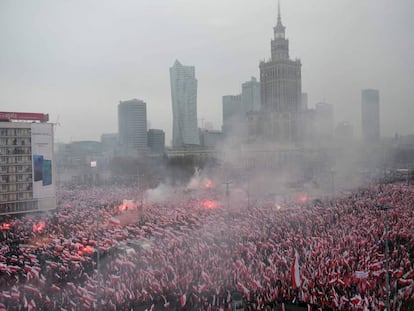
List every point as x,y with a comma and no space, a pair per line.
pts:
5,226
86,250
210,204
208,184
303,198
38,228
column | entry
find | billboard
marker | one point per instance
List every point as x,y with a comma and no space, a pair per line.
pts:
42,160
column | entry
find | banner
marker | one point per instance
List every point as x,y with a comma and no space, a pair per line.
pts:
42,160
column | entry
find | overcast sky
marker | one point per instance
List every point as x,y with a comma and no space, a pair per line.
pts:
77,59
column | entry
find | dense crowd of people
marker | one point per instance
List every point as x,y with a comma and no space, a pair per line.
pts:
192,253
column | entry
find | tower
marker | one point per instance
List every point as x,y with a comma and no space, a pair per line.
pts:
184,105
280,79
370,115
132,126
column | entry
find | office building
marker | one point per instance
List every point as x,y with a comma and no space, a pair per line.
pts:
304,101
27,164
281,101
156,140
344,132
324,121
250,96
109,143
184,105
132,127
370,115
232,112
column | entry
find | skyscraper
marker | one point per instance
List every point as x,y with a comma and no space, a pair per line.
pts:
232,112
370,115
280,79
324,121
184,105
132,126
156,140
250,96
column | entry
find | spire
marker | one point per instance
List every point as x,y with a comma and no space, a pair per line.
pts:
279,19
279,29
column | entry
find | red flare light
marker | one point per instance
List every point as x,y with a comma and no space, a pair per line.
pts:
303,198
122,207
210,204
38,228
87,250
127,205
5,226
208,184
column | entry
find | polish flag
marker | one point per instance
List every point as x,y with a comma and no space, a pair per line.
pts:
356,299
294,270
183,300
114,221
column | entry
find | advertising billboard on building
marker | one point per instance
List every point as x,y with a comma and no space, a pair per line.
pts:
42,157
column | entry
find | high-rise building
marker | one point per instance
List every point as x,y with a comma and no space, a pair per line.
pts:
132,126
304,101
370,115
109,143
184,105
156,140
232,112
27,163
344,132
280,80
250,96
324,121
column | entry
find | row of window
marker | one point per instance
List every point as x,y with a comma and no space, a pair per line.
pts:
15,150
19,141
16,187
18,207
15,169
23,159
13,178
15,132
6,197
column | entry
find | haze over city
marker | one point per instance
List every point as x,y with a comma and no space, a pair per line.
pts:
76,60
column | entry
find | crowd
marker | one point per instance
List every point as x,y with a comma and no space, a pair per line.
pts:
189,255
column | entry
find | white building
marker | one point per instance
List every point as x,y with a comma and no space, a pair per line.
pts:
184,105
132,126
27,164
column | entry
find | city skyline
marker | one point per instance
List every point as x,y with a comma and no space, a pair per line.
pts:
96,55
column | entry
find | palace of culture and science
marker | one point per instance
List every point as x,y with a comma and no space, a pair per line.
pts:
280,78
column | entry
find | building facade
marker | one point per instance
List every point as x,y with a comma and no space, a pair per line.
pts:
184,105
370,115
250,96
132,127
27,164
156,140
232,112
324,121
281,90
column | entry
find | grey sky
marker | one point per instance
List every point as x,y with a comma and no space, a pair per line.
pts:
77,59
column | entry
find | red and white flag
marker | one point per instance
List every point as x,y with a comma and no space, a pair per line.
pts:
114,221
294,270
183,300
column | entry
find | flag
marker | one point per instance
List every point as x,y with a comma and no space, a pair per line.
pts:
183,300
294,270
114,221
361,274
